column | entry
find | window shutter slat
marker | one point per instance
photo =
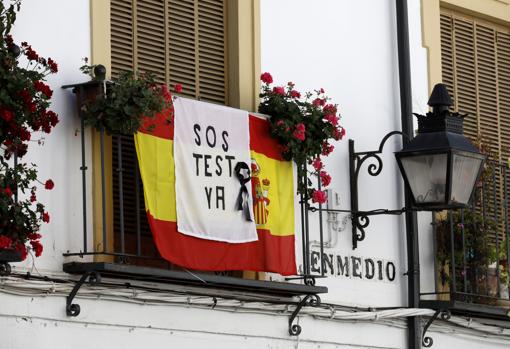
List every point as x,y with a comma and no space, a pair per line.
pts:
121,35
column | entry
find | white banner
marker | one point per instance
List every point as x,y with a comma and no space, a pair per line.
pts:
209,141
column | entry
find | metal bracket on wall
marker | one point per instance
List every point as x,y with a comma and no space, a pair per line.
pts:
312,300
427,341
360,219
73,309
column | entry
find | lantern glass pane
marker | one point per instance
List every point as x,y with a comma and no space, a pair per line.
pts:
465,172
426,175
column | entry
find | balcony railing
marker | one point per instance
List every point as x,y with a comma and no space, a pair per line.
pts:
130,250
472,249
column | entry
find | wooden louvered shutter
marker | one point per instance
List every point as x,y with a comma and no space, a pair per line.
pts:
180,41
475,61
475,66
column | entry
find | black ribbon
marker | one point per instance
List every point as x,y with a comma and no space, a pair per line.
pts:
242,198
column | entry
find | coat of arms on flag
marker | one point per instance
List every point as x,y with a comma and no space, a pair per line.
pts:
270,197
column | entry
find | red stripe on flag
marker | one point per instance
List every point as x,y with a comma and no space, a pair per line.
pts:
261,140
270,253
161,125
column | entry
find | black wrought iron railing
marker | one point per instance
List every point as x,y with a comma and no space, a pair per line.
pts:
472,246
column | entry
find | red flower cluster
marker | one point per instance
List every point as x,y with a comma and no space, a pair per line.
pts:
299,132
317,164
338,134
279,90
52,65
266,78
295,94
332,119
43,88
319,196
325,178
319,102
24,109
178,88
37,247
327,148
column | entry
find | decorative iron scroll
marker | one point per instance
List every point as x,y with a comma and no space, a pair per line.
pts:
360,219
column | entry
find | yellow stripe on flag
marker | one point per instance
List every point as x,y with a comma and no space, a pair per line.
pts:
156,162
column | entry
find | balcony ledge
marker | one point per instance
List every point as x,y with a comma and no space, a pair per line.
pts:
469,308
201,283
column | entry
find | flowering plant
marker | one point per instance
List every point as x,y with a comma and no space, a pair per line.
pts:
128,100
304,127
24,103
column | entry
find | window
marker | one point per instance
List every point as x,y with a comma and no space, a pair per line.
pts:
475,66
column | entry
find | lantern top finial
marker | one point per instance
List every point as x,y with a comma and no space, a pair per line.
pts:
440,98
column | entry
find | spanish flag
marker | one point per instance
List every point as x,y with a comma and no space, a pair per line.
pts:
273,195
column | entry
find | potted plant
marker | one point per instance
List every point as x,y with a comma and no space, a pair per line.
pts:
24,111
122,104
304,127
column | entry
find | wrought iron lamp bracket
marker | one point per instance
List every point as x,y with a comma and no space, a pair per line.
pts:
360,219
425,340
73,309
312,300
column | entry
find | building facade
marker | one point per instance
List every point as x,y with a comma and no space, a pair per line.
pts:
217,50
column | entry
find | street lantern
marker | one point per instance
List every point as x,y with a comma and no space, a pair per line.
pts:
440,166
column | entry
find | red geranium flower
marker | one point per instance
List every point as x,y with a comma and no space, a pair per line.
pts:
327,148
266,78
178,88
325,178
317,164
299,132
34,236
46,217
49,184
295,94
319,196
332,119
279,90
52,65
37,247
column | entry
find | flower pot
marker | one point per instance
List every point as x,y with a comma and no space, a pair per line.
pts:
10,255
7,256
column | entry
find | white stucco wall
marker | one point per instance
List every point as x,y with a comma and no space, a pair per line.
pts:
346,47
349,49
60,30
